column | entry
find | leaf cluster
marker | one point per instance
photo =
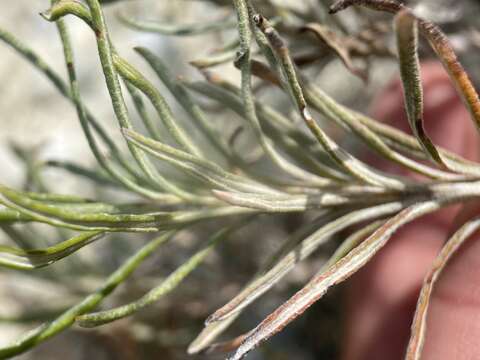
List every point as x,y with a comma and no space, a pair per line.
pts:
312,172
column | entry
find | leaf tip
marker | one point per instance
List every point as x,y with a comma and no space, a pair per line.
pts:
47,15
221,195
211,319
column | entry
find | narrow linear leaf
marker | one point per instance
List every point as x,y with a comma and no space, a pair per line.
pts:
63,89
168,285
339,272
66,319
405,143
184,98
280,129
97,177
335,44
209,333
244,63
203,342
328,107
92,214
225,346
142,111
12,216
351,242
407,44
176,29
275,272
60,9
352,165
24,214
349,121
213,329
204,169
419,325
444,50
296,203
214,60
113,65
372,137
391,6
440,44
20,259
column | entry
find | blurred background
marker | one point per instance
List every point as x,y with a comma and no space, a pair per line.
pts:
38,125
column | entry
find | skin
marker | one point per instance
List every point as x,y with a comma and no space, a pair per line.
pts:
381,298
